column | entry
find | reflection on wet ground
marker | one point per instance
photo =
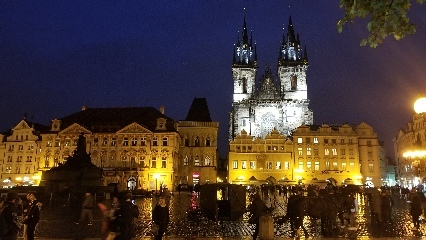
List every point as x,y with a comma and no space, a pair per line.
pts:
57,222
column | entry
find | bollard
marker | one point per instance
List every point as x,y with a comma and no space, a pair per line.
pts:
266,228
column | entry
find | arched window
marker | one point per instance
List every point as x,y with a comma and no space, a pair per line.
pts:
186,142
197,161
207,161
207,142
197,142
293,82
186,161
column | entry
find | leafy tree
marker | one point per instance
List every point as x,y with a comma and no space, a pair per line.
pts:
387,17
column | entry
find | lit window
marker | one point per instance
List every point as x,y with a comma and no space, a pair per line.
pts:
234,164
142,161
352,165
252,165
55,161
153,162
327,165
315,140
8,169
197,161
309,151
286,165
57,142
207,161
125,142
243,164
335,167
277,165
164,162
143,141
186,161
300,151
309,166
299,140
334,151
326,151
371,167
114,142
317,166
104,141
269,165
134,141
343,166
49,143
300,165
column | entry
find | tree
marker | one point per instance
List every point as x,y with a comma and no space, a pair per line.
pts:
387,17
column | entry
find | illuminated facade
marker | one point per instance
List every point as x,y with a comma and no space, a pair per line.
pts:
347,154
19,153
280,103
198,154
139,142
410,148
259,161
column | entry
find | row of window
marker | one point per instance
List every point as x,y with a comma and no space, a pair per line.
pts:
197,143
113,142
18,170
20,147
333,140
22,137
197,161
315,166
19,159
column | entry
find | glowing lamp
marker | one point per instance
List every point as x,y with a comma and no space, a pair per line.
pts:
420,105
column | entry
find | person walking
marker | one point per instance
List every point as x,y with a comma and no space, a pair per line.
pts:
26,206
386,207
32,217
257,209
87,208
416,210
10,211
376,209
124,217
161,217
352,212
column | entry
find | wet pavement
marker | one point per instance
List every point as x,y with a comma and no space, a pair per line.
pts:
57,222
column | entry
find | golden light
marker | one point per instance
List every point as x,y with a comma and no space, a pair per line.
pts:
240,178
36,177
420,105
18,179
156,176
299,177
415,154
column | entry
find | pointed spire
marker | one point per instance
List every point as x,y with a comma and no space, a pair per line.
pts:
233,59
255,52
245,36
305,54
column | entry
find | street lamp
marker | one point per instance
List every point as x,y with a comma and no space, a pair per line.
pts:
156,176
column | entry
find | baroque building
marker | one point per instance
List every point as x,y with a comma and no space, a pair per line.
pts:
343,154
280,103
198,153
20,153
410,148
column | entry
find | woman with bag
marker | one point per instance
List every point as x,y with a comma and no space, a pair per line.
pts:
160,218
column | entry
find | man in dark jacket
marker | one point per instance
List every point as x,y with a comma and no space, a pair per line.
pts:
125,216
33,216
11,213
257,209
296,212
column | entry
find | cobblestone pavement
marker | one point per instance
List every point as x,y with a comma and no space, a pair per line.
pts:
57,222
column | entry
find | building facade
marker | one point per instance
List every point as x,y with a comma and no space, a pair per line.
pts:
410,149
343,154
275,103
198,153
20,154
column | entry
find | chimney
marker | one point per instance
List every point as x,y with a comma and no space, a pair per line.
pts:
83,108
162,109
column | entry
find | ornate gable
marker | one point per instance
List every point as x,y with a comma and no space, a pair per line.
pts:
75,129
134,128
21,125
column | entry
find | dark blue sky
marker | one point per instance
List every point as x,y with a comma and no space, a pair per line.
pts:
57,56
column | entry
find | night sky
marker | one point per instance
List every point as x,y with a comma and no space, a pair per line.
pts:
57,56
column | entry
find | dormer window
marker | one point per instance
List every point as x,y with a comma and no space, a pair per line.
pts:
161,124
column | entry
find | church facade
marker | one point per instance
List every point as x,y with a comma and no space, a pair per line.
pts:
278,101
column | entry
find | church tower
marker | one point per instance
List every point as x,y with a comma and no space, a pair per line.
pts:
244,66
279,102
292,66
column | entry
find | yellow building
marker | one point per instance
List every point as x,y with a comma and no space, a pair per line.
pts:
138,142
344,154
19,154
198,153
259,161
410,148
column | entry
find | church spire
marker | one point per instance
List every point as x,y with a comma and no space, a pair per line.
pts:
244,52
291,50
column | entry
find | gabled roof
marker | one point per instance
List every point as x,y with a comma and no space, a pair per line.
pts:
114,119
199,111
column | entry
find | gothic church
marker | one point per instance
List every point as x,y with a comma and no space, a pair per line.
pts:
282,104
